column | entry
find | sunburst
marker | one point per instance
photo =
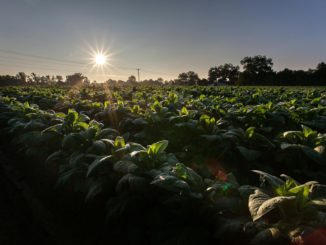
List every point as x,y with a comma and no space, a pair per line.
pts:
100,59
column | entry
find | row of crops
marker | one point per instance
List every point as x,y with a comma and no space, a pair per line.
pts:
175,165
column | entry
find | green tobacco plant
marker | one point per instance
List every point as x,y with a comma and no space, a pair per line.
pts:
306,137
292,199
72,122
286,204
159,156
303,151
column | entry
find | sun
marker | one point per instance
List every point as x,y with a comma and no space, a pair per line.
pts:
100,59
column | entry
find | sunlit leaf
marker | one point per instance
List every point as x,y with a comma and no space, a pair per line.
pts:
157,147
119,142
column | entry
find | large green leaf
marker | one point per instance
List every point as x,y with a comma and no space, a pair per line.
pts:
302,192
119,142
249,155
272,180
95,187
308,132
171,183
57,156
73,141
184,111
261,204
109,133
72,116
157,147
97,147
140,121
125,166
309,152
131,182
319,203
189,175
255,201
99,164
81,125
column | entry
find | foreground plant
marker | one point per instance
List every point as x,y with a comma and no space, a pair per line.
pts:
288,207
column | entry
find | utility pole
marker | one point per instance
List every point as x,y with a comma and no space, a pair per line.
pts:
138,74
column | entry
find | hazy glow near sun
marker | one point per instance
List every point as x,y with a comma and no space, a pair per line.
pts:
100,59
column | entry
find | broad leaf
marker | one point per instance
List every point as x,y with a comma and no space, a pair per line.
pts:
260,204
272,180
157,147
132,183
189,175
171,183
98,164
184,111
125,166
119,142
249,155
255,201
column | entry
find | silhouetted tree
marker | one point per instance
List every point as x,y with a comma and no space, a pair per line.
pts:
203,82
301,77
35,78
132,79
87,81
285,77
320,74
257,69
160,80
189,78
111,82
22,76
257,64
59,78
48,79
8,80
212,74
224,73
75,79
152,82
182,79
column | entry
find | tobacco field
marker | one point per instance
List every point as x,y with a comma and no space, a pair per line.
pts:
174,165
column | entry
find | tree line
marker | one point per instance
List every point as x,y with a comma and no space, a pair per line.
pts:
256,70
33,79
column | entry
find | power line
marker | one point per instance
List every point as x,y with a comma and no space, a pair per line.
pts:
66,71
25,57
39,56
37,64
39,68
51,59
32,59
27,65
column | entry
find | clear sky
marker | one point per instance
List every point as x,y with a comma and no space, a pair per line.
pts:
161,37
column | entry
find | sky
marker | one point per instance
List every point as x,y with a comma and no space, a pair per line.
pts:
161,37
